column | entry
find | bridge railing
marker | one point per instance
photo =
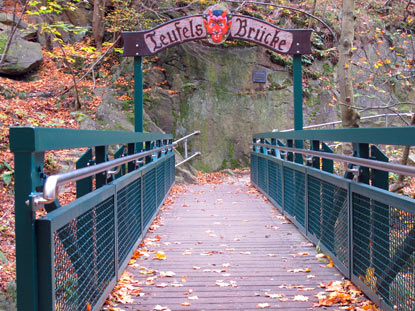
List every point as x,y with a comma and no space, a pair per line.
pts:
71,258
367,231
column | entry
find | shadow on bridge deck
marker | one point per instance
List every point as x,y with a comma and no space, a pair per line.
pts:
226,248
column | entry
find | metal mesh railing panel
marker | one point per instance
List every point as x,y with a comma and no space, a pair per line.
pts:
383,250
279,184
160,184
294,194
167,177
84,258
275,184
149,196
328,216
172,170
129,218
262,174
254,169
272,180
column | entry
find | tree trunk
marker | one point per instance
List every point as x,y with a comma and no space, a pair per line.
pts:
98,20
47,35
350,118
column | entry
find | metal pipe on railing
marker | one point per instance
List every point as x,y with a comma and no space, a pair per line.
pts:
386,115
374,164
189,158
186,152
186,137
185,149
53,182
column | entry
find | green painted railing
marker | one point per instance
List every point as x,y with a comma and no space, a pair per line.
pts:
72,257
368,232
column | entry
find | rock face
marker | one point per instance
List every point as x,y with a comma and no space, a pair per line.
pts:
23,29
23,55
216,95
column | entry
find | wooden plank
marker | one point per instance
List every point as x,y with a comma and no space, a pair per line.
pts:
232,247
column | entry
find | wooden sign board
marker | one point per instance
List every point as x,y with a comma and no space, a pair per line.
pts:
190,28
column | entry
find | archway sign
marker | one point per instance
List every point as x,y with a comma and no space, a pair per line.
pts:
217,24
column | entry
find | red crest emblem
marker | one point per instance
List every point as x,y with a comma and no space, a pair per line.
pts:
218,23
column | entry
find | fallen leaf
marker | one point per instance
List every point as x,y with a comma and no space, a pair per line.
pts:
162,285
160,255
160,308
263,305
193,298
273,296
88,307
167,274
222,283
300,298
186,304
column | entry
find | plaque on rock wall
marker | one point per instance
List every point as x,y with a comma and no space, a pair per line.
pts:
259,76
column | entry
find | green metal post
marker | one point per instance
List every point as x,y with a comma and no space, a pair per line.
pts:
101,155
298,102
84,186
28,167
315,145
138,94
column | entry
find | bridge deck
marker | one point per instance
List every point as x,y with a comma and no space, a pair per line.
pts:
229,249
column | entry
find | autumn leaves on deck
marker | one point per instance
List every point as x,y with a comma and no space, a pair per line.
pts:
220,245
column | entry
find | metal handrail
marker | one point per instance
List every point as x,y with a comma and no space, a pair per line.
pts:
338,122
50,188
186,156
374,164
186,137
52,182
189,158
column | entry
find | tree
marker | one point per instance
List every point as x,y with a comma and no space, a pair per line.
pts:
349,116
98,25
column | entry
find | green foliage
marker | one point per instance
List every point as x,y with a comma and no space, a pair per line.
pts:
3,42
124,17
79,116
7,172
50,164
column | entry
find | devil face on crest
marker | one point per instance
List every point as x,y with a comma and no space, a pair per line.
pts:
218,24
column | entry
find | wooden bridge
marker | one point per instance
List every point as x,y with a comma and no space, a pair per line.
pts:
225,248
221,246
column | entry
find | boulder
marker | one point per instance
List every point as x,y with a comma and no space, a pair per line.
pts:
23,29
7,19
23,56
27,34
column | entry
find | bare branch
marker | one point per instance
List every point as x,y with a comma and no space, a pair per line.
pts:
91,68
288,8
181,8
